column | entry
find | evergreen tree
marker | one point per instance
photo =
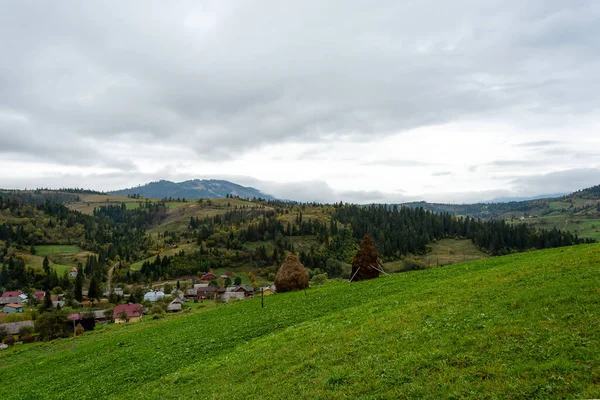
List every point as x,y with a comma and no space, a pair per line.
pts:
46,265
78,291
47,305
94,289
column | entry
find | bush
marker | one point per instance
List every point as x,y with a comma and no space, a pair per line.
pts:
18,317
271,277
27,338
319,279
412,263
26,330
9,340
3,333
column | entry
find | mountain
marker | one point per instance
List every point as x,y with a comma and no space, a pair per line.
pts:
193,189
541,196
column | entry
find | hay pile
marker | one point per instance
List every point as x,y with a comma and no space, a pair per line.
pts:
365,264
292,275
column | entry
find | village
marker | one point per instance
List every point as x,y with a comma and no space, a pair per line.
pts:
157,302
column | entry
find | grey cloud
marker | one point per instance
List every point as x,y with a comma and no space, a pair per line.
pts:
556,182
229,76
540,143
399,163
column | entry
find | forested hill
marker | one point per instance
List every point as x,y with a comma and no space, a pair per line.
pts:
589,198
148,240
193,189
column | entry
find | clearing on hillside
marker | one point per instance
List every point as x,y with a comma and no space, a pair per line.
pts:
520,326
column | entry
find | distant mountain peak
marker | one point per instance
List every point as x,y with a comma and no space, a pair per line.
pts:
193,189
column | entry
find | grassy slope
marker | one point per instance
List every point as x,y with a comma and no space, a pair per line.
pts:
522,326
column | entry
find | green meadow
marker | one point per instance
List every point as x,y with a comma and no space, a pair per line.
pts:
520,326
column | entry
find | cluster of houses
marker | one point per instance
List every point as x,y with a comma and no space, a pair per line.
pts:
12,302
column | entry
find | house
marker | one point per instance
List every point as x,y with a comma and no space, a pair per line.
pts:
209,276
175,306
200,285
39,296
124,313
191,293
268,290
10,299
88,324
12,308
153,296
13,328
58,303
15,293
73,273
118,291
178,293
203,292
223,276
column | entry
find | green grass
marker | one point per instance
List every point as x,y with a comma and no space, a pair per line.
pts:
47,250
521,326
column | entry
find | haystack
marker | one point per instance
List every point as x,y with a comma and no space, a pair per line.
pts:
365,264
292,275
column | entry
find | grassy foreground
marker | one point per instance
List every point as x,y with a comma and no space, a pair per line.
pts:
521,326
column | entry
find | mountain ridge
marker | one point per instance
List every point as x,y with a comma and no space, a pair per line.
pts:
193,188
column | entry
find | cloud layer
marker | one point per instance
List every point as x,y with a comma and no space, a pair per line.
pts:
382,100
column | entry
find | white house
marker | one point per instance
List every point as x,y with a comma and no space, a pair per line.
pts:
153,296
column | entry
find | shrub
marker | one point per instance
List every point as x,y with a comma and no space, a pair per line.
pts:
27,338
9,340
271,277
412,263
3,333
25,330
319,279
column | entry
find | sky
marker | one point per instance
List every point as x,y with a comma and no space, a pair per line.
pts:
348,100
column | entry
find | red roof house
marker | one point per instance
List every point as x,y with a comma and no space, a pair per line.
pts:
39,295
127,313
15,293
209,276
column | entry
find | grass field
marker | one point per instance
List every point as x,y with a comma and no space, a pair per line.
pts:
520,326
46,250
62,257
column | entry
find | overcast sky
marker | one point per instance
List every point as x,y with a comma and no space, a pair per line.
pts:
341,100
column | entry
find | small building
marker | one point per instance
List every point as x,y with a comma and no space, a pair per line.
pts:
39,296
200,285
88,324
12,308
73,273
14,293
203,292
175,306
191,293
209,276
154,296
10,300
268,290
124,313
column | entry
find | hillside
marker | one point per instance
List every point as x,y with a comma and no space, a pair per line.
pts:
193,189
520,326
578,212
